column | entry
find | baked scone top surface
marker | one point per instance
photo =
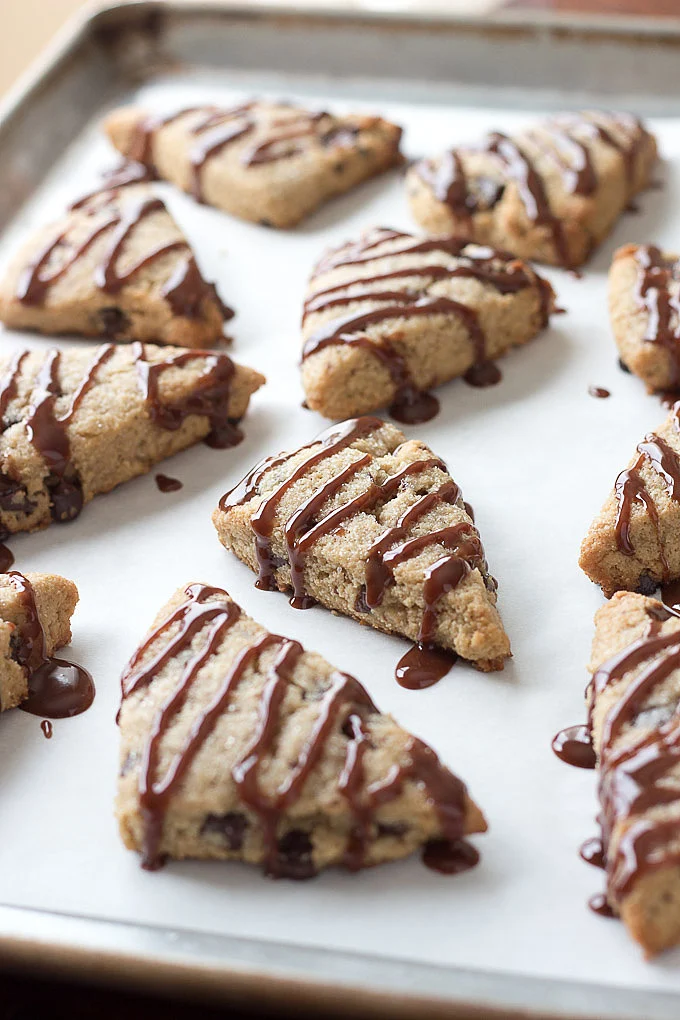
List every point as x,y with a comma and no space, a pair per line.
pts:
383,518
271,162
634,698
63,411
238,743
115,265
644,304
374,294
568,178
632,543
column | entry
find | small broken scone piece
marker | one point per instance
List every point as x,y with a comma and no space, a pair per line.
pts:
118,266
551,192
634,711
78,422
644,309
390,315
237,744
634,542
272,163
371,525
35,621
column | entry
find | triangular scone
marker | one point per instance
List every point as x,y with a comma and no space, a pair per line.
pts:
80,421
551,192
272,163
116,266
237,744
390,315
634,542
644,308
373,526
635,724
35,620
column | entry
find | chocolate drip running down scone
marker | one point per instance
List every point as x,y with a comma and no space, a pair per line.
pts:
118,266
634,543
236,744
371,525
272,163
390,315
551,192
634,713
35,621
78,422
644,308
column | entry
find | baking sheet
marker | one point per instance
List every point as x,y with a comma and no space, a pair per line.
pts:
535,456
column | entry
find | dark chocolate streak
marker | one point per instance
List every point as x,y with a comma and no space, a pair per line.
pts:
486,265
343,708
630,488
303,528
56,689
634,776
186,291
557,139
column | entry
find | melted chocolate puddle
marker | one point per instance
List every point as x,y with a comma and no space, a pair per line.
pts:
573,746
167,484
485,373
414,407
46,727
450,858
59,690
670,594
422,666
598,391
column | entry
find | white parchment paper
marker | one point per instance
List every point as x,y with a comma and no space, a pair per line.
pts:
535,456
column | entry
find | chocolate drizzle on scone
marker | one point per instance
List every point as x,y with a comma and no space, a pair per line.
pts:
563,144
308,524
656,272
202,622
331,154
57,689
48,431
637,737
630,488
391,302
185,291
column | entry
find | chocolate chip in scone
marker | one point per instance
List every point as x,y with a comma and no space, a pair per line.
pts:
231,827
113,323
646,585
294,856
394,829
13,497
360,603
66,499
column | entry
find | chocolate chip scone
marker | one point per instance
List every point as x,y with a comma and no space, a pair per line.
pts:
551,192
272,163
236,744
373,526
635,726
116,265
35,620
644,308
81,421
634,542
390,315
